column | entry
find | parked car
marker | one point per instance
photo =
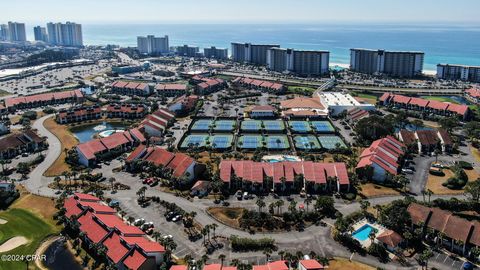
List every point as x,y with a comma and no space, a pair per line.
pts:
139,221
245,195
177,218
407,171
239,195
114,203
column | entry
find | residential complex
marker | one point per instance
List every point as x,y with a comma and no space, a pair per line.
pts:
156,123
458,72
78,114
251,53
153,45
259,84
3,32
171,89
424,106
65,34
131,88
33,101
473,94
394,63
18,143
427,141
297,61
216,53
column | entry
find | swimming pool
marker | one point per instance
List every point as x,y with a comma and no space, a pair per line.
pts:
363,232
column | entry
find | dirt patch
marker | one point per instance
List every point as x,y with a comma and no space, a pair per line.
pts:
344,264
67,141
372,190
42,206
13,243
229,216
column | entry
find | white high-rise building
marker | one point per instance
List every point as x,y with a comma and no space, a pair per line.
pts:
458,72
40,33
153,45
305,63
65,34
3,32
16,32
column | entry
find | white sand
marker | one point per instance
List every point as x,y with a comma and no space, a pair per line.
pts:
13,243
2,221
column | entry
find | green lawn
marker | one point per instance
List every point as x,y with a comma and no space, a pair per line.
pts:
369,97
301,90
4,93
441,98
23,223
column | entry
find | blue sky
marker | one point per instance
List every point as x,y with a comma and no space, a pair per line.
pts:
211,11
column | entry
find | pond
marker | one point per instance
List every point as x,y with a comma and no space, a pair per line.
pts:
59,257
85,133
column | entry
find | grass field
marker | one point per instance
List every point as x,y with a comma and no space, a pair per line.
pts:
372,190
370,98
301,90
441,98
344,264
66,139
29,216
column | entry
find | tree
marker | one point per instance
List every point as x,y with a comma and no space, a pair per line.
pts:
279,204
364,205
425,257
260,203
472,190
449,123
112,181
371,236
374,127
222,257
402,181
417,123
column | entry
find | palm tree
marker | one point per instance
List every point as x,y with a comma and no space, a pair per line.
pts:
308,201
222,257
372,236
281,253
156,235
214,226
112,181
279,204
260,203
267,252
235,262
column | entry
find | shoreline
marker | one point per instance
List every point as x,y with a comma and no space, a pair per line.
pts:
427,72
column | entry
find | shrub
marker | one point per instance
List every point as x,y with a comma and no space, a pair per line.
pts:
248,244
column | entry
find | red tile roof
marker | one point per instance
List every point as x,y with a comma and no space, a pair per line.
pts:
136,153
97,207
473,92
92,229
390,238
401,99
85,197
216,266
383,152
9,102
458,109
171,87
115,140
160,156
408,136
178,267
134,260
71,207
418,213
437,105
311,264
264,108
419,102
385,97
90,148
115,249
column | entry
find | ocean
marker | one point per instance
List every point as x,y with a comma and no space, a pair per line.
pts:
453,44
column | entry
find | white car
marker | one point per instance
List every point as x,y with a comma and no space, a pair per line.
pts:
139,221
177,218
409,171
167,236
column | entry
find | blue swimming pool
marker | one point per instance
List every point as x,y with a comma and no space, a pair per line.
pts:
363,232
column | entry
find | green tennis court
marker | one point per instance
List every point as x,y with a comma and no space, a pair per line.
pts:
250,141
277,142
331,141
251,125
274,125
306,142
202,125
224,125
299,126
196,140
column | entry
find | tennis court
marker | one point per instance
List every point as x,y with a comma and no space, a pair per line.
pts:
251,125
322,126
250,142
306,142
331,141
274,125
300,126
202,125
221,141
224,125
196,140
277,142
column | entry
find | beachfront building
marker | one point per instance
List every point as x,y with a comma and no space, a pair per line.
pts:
424,106
127,247
281,176
40,34
473,94
93,151
187,50
65,34
251,53
130,88
153,45
403,64
337,103
45,99
171,89
125,111
381,160
442,227
259,85
156,123
216,53
182,166
305,63
18,143
78,114
458,72
16,32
